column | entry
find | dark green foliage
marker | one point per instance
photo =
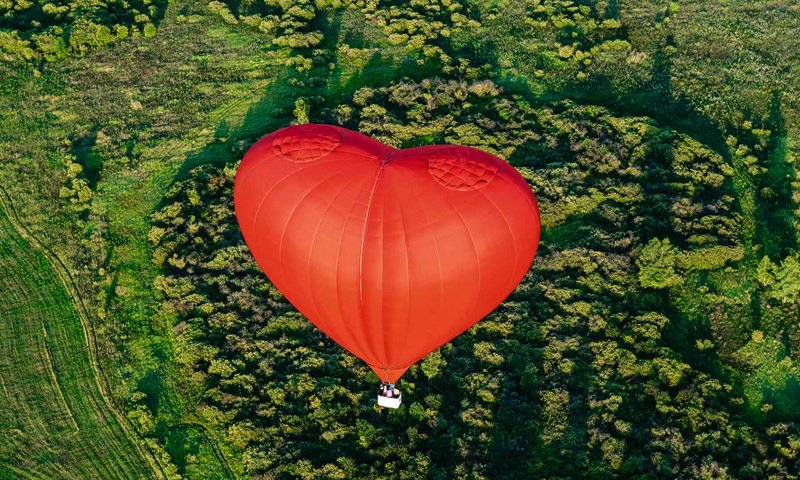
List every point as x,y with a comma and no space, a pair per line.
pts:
573,376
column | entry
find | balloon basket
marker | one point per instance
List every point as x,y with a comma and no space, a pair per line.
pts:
389,402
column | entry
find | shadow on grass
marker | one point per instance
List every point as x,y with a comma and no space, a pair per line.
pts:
83,149
775,229
192,452
655,99
323,88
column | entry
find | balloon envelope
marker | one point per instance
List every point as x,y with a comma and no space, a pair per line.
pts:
391,253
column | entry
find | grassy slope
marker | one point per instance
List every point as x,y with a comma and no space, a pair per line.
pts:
54,420
201,66
129,198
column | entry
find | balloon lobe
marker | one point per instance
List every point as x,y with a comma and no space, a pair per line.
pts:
391,253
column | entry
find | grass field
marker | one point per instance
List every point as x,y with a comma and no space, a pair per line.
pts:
54,420
227,90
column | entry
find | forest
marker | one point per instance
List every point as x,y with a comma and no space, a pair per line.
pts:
657,334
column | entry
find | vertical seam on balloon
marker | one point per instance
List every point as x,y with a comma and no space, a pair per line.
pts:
438,261
527,190
366,352
364,229
408,271
311,249
528,193
361,253
383,279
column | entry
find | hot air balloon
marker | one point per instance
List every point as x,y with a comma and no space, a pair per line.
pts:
391,253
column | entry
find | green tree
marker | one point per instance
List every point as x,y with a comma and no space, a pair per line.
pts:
657,262
787,280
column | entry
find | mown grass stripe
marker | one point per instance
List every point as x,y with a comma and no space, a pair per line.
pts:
55,424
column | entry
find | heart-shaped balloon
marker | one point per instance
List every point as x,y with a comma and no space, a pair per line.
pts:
391,253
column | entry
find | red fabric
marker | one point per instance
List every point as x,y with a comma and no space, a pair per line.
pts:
391,253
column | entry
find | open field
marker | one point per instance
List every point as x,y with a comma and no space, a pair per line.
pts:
54,420
219,79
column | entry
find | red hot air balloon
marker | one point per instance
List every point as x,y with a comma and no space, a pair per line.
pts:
391,253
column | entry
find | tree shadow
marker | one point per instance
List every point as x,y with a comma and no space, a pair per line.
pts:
161,10
775,230
83,151
656,99
612,10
